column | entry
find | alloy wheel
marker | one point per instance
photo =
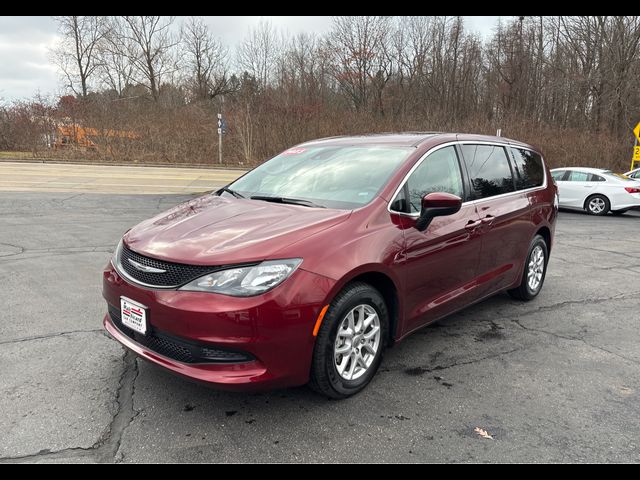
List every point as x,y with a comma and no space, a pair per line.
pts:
597,205
357,342
536,268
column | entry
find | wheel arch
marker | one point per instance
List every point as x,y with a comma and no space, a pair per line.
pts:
597,194
382,280
545,233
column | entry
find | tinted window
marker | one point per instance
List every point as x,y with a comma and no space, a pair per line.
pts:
635,174
578,176
558,175
331,176
529,171
439,172
489,170
597,178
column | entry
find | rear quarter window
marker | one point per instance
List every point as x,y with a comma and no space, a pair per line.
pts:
529,171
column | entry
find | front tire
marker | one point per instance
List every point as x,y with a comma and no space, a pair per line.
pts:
597,205
350,342
535,270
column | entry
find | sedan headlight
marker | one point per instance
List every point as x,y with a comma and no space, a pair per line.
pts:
246,281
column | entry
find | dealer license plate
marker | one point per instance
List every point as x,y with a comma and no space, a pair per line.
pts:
134,315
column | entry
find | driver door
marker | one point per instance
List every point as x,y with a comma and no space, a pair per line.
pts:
441,262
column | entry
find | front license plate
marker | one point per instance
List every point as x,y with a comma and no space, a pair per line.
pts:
133,315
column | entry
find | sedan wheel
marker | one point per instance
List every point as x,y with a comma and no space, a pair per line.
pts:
598,205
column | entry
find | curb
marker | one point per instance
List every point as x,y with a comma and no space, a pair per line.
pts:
123,164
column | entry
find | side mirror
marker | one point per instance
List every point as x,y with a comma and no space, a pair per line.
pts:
437,204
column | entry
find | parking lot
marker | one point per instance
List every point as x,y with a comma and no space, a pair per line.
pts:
554,380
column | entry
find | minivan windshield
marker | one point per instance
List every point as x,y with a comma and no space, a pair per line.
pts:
343,177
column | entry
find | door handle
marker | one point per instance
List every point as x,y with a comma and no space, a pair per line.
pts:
488,220
471,225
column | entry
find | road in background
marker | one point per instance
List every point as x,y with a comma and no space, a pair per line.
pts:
57,177
553,380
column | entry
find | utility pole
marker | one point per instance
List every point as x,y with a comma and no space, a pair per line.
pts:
220,138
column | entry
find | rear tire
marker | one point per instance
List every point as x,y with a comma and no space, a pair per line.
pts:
597,205
535,270
350,342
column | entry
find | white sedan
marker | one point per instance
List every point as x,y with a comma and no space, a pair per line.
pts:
596,190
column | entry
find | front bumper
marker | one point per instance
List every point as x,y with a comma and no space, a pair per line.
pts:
275,329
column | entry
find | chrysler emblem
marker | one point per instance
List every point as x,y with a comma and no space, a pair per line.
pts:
144,268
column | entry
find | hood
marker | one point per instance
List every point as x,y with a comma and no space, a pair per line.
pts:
212,230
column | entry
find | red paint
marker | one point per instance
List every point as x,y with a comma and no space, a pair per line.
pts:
506,227
458,260
451,251
440,200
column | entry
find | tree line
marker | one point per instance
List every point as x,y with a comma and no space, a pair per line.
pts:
566,84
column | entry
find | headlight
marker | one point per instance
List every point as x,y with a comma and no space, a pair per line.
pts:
246,281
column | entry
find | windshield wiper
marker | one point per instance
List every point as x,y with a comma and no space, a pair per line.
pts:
232,192
292,201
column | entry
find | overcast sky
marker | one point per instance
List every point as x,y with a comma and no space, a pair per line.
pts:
26,67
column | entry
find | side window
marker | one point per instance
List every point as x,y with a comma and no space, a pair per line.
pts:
596,178
578,176
529,171
559,175
635,174
439,172
489,170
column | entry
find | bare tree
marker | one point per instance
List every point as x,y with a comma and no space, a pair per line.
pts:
568,83
77,54
361,64
258,52
206,60
116,69
153,41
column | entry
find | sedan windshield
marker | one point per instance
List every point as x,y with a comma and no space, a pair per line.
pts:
325,176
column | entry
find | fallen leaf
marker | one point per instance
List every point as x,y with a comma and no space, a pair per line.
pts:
626,390
482,433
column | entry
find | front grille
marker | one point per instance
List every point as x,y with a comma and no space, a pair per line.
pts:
174,275
177,348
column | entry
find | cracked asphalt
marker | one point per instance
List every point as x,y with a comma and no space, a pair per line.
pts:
554,380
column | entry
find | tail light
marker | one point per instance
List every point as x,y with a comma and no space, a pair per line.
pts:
632,189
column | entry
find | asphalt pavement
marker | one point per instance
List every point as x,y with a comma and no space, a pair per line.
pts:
553,380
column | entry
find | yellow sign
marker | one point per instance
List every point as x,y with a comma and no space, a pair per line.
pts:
637,131
636,154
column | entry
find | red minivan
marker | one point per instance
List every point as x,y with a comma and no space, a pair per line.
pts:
307,267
